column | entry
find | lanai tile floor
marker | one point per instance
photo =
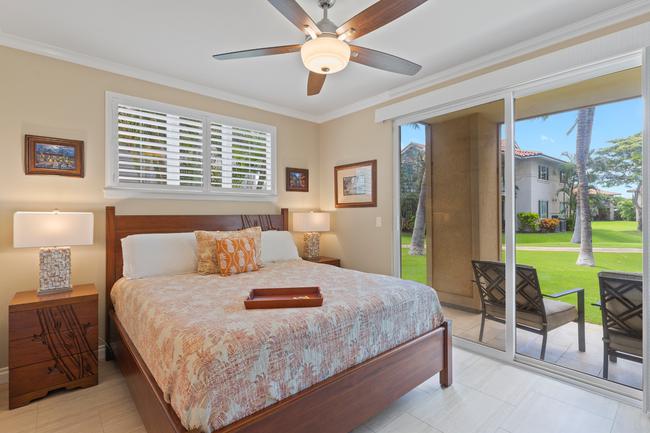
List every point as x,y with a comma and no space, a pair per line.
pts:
561,347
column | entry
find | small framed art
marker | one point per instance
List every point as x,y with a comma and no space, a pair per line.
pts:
297,179
47,155
355,185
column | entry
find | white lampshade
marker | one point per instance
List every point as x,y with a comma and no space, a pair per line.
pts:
52,229
311,222
325,55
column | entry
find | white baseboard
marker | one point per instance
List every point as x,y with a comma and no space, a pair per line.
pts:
4,371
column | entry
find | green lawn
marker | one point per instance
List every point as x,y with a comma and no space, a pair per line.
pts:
557,271
612,234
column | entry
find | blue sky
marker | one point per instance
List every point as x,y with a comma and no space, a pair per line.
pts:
549,135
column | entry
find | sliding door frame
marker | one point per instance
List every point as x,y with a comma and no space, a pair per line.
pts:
637,58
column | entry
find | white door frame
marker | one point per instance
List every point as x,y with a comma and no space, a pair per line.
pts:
508,95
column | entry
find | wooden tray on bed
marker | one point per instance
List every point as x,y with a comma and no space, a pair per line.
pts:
289,297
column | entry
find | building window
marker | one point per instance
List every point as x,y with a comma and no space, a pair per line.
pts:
542,208
542,172
159,148
563,176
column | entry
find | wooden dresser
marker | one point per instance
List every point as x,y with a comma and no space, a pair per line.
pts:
52,343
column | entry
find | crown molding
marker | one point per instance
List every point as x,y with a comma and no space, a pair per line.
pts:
612,16
615,15
146,75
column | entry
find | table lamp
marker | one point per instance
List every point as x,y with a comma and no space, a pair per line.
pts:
311,223
54,232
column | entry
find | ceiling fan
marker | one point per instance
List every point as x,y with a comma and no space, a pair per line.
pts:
326,49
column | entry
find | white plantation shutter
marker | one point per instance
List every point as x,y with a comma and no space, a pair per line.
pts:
240,158
158,148
166,149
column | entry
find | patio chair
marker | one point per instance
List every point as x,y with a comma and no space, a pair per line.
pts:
621,304
535,312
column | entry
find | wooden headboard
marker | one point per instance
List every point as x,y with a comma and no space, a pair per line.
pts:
121,226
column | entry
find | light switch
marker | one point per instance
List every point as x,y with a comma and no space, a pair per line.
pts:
378,222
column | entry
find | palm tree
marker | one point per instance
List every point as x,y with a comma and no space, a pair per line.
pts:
584,124
417,238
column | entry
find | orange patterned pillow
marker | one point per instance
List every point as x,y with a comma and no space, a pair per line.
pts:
236,255
206,247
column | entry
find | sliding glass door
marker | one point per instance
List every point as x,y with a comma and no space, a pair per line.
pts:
534,230
460,207
579,248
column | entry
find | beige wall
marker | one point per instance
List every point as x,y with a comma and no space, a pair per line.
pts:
355,238
39,95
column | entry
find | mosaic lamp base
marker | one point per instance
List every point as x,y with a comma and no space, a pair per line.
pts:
54,275
312,245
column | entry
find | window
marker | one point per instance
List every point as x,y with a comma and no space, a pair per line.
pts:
542,172
161,148
542,208
563,177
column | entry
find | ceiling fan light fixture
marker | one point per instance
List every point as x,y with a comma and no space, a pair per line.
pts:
325,54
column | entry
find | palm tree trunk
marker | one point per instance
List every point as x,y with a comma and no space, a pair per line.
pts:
585,124
638,208
417,239
576,226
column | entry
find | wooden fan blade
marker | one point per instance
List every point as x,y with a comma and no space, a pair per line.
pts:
294,13
384,61
268,51
315,83
377,15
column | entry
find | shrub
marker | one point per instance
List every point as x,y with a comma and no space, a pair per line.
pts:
408,223
548,225
528,221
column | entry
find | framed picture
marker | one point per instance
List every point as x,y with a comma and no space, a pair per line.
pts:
297,179
355,185
47,155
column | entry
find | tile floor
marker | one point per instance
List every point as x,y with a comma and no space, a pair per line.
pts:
561,347
487,396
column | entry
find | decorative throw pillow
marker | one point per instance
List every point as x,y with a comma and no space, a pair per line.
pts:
236,255
206,243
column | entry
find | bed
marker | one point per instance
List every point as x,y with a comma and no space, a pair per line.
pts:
200,362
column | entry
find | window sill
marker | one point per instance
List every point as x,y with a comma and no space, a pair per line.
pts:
125,193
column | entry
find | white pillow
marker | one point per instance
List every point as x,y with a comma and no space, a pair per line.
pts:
149,255
278,246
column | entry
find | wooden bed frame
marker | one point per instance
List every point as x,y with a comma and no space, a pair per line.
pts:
336,405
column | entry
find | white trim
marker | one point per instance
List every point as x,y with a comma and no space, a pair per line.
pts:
143,193
509,230
4,371
646,233
574,63
206,192
397,193
612,16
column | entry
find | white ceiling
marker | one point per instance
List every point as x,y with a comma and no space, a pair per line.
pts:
177,38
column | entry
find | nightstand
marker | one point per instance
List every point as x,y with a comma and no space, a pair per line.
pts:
326,261
52,343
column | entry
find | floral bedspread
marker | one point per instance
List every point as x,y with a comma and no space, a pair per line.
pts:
217,362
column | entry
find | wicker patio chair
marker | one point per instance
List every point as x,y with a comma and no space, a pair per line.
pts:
621,305
535,313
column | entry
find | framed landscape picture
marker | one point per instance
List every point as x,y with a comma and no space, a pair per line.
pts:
47,155
355,185
297,179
